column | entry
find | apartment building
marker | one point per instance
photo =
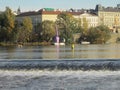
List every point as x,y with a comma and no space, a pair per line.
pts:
39,16
51,14
109,16
92,19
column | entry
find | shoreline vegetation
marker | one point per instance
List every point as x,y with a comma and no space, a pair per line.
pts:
66,27
113,40
5,44
25,44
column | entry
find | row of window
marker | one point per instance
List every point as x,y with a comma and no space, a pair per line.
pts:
110,14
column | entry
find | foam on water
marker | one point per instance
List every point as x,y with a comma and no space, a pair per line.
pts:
26,74
59,80
101,64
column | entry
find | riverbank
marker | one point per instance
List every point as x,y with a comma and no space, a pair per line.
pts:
25,44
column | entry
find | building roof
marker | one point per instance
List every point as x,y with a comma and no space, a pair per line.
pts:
51,12
111,9
107,9
29,13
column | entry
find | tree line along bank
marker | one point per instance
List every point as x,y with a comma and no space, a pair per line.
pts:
14,32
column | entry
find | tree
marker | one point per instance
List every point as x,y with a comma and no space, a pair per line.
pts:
67,26
93,35
37,34
106,33
9,18
99,34
2,30
77,26
16,31
85,25
7,24
25,31
48,30
64,21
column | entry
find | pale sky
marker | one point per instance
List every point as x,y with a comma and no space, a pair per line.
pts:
27,5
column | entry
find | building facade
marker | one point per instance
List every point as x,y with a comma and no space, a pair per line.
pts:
92,19
43,14
39,16
109,16
35,17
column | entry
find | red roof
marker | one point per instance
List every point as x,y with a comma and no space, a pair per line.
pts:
41,12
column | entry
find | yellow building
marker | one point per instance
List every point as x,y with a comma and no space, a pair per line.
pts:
109,16
51,14
92,19
38,16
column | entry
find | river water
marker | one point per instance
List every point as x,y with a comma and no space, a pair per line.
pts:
87,67
108,51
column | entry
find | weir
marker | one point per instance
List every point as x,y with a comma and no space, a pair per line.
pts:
85,64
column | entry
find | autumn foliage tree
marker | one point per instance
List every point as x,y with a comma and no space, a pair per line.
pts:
48,30
67,26
7,20
25,31
85,25
99,34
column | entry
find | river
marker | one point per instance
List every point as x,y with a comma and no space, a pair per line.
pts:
107,51
86,67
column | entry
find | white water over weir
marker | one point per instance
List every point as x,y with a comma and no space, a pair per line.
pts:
87,67
101,64
102,74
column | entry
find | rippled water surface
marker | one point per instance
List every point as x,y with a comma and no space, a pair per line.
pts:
59,80
87,67
61,52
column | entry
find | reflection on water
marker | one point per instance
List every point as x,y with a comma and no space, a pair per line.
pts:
61,52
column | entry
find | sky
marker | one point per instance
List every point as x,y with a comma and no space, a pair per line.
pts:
30,5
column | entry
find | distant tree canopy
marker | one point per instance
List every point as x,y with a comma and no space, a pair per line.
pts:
48,30
99,34
85,25
78,27
7,23
25,30
14,31
67,25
